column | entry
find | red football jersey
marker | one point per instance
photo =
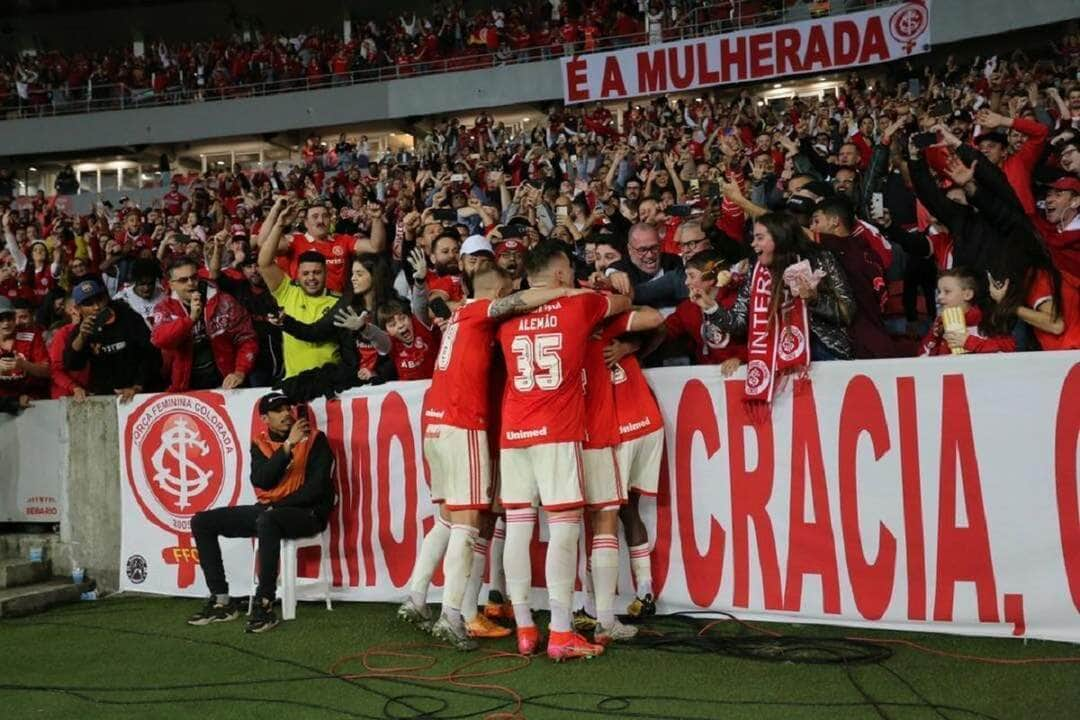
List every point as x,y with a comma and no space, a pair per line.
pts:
545,354
29,345
337,249
461,384
449,284
711,346
601,420
416,361
636,408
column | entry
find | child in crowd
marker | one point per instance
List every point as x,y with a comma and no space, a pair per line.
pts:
414,341
710,283
960,326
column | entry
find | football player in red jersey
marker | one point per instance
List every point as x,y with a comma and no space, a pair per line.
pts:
543,426
640,450
605,483
456,415
338,249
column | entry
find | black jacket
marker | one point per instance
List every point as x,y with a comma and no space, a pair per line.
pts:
317,490
270,362
119,356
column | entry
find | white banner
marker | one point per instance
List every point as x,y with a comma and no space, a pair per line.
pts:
811,46
31,470
937,494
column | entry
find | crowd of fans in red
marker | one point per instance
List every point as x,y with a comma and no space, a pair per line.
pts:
448,38
937,211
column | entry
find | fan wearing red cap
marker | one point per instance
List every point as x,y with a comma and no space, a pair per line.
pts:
510,256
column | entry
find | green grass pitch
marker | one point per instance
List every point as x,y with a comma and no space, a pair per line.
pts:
134,657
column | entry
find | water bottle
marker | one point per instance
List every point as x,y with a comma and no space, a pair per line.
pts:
77,575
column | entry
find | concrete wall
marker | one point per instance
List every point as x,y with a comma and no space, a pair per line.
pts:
90,501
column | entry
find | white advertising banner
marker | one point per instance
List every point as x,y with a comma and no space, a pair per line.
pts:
811,46
936,495
31,470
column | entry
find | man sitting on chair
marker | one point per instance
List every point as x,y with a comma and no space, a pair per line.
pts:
290,469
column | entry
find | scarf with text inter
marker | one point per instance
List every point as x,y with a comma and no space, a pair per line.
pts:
775,346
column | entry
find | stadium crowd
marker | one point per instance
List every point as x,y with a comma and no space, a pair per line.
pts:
934,212
450,37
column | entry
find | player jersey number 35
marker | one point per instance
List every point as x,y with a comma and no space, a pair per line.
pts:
545,357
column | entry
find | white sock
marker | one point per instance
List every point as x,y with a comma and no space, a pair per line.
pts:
456,566
516,562
498,575
432,550
561,565
605,572
642,568
590,592
471,599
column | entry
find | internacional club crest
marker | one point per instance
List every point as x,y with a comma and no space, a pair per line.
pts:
182,457
908,23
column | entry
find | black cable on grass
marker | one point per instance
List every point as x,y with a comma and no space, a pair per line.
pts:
681,633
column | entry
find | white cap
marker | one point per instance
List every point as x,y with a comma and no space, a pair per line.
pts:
476,244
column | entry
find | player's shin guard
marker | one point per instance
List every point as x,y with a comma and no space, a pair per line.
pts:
471,599
456,569
605,575
561,565
432,550
519,529
641,566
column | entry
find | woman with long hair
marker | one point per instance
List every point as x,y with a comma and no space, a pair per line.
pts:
363,346
786,328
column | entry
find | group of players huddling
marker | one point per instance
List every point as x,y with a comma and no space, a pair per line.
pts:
493,446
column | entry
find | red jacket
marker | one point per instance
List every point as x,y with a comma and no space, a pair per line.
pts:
64,381
232,337
1018,166
934,342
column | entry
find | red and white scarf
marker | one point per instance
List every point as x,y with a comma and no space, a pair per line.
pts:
775,346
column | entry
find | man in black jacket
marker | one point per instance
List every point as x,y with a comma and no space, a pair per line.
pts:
114,341
290,469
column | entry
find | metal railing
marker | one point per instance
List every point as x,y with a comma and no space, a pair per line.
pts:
119,96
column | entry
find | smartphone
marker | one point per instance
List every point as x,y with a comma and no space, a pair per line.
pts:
562,211
444,214
695,185
924,140
439,308
457,177
679,211
202,287
303,412
877,206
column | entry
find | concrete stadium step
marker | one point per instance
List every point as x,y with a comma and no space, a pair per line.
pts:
18,571
14,545
39,597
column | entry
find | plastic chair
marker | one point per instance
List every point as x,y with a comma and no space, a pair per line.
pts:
287,577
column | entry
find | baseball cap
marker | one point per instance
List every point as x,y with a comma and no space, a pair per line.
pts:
962,115
507,246
273,401
87,290
476,245
1067,182
6,306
